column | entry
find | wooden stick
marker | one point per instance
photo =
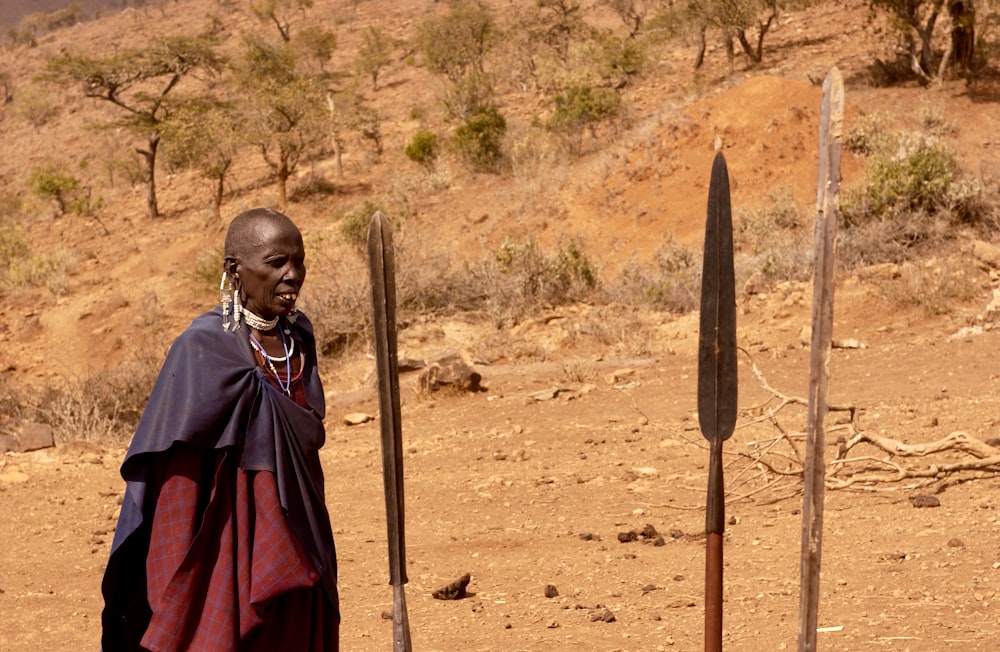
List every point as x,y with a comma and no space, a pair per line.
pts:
831,123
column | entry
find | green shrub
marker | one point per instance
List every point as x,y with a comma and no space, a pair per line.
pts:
423,147
582,108
479,139
914,178
354,223
54,182
538,278
913,196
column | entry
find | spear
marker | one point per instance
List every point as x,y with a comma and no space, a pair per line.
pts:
831,122
717,381
383,290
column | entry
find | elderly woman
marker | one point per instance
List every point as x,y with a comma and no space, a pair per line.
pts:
224,541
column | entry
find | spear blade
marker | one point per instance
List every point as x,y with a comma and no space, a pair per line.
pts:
717,381
382,270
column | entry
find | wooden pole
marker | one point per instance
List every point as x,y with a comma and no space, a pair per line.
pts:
830,130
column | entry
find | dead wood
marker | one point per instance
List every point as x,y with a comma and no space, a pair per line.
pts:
774,460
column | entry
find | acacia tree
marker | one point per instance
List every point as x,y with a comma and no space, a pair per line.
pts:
203,134
916,21
374,53
282,111
280,12
746,21
632,12
138,83
455,44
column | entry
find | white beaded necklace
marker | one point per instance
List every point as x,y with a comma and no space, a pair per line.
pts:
255,321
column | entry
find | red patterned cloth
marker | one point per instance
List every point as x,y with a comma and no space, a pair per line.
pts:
237,582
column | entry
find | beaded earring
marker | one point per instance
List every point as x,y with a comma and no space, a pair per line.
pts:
225,298
237,308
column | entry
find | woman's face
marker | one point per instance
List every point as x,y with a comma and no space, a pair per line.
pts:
272,272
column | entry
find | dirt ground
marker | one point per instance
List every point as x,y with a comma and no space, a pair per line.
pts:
522,493
530,485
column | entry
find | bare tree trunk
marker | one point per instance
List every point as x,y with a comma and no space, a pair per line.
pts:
149,155
217,199
700,59
283,174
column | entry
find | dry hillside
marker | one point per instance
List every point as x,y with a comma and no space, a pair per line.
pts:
587,428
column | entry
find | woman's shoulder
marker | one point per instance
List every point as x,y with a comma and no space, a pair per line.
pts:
300,322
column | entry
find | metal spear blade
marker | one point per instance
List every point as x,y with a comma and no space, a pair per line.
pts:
382,270
717,381
717,377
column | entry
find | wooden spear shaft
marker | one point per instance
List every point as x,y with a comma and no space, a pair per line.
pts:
830,130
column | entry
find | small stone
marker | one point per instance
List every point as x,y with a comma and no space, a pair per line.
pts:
627,537
357,418
955,542
924,500
649,532
455,590
551,591
36,436
604,616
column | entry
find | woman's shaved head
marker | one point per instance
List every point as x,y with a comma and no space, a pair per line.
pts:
243,234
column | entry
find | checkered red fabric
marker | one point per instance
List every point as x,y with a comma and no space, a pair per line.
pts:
224,571
237,580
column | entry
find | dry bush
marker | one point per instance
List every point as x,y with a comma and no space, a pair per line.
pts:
580,371
336,297
35,106
774,241
914,200
671,283
103,407
521,279
502,345
935,285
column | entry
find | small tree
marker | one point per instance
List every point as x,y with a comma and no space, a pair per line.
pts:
582,108
632,12
138,83
915,22
55,183
480,139
282,111
280,12
456,43
202,134
373,55
747,21
317,43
